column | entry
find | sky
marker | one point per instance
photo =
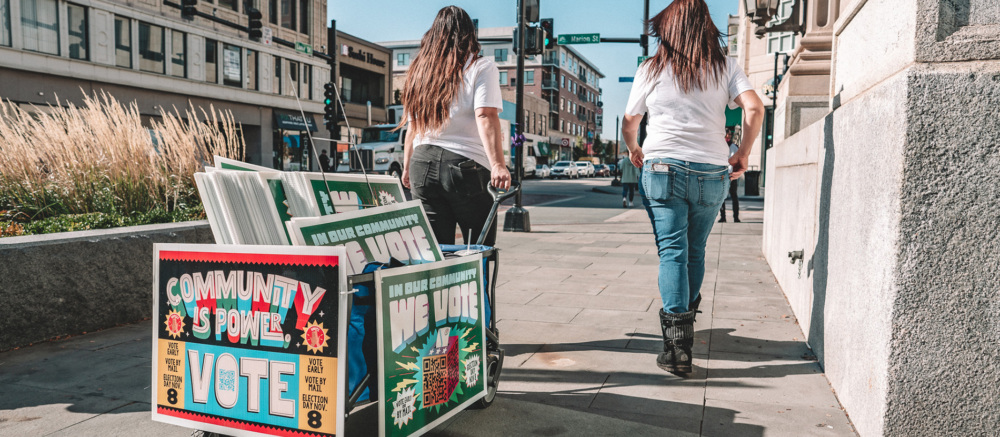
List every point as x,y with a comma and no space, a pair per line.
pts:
394,20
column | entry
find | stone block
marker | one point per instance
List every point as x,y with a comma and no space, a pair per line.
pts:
75,282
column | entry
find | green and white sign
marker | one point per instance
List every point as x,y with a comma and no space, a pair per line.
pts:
351,192
431,337
580,38
641,60
304,48
399,231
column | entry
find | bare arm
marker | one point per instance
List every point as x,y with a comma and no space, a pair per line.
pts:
630,133
754,110
488,121
407,154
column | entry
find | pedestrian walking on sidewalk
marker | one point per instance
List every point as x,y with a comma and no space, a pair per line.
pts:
630,180
685,88
453,147
733,184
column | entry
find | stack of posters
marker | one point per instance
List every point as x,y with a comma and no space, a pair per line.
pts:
250,340
249,204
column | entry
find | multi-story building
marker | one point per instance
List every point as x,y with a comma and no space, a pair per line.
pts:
146,52
364,76
563,78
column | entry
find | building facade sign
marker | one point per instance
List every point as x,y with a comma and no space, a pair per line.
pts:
361,55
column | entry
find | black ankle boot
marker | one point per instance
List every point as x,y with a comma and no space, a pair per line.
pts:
678,338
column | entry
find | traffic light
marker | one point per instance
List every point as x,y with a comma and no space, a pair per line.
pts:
255,24
330,114
548,28
534,43
188,8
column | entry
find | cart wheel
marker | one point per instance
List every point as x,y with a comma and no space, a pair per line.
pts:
494,365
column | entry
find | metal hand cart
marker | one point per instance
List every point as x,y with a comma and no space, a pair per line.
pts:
362,389
362,384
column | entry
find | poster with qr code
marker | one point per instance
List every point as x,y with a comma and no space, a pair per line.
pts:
248,340
431,331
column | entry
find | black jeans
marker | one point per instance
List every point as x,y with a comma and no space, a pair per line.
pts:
453,189
733,185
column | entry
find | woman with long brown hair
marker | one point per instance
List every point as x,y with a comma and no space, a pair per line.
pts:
453,146
684,89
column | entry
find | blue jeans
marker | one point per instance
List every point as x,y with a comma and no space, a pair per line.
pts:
628,190
682,202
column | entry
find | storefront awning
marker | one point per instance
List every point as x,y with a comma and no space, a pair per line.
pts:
291,121
734,117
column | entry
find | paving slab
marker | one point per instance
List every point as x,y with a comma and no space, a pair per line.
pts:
780,422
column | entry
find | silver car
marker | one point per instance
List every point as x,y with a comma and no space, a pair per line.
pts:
586,168
565,169
542,171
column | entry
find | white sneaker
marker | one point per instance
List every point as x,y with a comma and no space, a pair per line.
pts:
625,203
630,204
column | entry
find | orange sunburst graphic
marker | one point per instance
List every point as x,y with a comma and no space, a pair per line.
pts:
315,337
175,324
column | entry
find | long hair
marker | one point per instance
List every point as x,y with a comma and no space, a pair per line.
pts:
689,44
436,74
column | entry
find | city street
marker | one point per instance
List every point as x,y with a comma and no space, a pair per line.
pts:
577,305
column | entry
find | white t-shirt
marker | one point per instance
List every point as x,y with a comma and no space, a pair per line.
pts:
686,126
460,133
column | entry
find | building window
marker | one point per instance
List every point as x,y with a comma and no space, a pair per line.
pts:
178,53
276,81
305,92
293,78
76,20
402,59
288,14
503,78
782,41
211,60
529,77
40,26
228,4
563,79
273,12
500,55
232,66
346,89
151,48
304,16
5,23
562,103
252,70
123,42
563,58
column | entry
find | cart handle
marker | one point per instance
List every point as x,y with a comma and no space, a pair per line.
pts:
499,195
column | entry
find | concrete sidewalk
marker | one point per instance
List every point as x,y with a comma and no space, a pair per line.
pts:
578,318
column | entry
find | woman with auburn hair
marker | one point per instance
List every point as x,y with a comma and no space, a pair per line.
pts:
453,148
684,89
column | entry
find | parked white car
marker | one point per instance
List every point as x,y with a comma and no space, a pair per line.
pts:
542,171
565,169
586,168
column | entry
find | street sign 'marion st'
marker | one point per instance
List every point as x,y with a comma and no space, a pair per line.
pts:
583,38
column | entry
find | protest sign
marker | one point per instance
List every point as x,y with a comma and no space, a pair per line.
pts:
250,340
400,231
431,343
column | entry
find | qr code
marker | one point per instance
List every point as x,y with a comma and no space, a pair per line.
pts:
227,380
435,380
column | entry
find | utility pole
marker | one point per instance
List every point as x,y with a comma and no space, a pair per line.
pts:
618,169
516,219
644,41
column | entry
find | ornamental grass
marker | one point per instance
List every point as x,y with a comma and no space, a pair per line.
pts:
98,165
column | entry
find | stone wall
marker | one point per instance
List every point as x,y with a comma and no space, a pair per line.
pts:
75,282
893,200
